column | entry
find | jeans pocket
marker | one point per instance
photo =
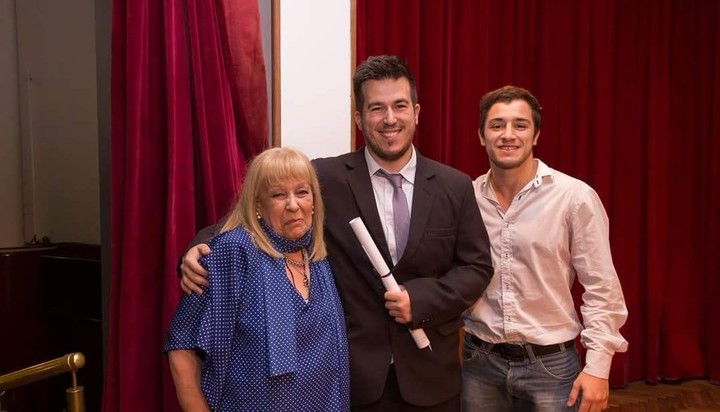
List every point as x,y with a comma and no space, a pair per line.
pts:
468,351
562,365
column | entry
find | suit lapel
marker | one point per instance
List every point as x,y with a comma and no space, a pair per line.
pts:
421,204
358,179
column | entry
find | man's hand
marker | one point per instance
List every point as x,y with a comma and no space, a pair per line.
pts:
194,277
398,305
595,393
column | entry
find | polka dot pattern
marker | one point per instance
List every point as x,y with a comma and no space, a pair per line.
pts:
264,347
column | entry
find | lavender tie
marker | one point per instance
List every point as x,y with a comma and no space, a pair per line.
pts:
401,212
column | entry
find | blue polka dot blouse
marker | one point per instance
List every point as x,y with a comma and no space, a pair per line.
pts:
264,348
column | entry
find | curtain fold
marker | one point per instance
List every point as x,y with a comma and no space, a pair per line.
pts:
631,103
188,108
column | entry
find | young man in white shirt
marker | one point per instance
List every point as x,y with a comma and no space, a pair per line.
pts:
545,229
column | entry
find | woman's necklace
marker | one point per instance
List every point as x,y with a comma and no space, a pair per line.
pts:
301,265
298,263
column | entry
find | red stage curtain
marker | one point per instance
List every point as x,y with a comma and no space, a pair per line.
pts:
631,98
189,106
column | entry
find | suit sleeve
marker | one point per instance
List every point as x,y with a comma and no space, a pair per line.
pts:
439,299
203,236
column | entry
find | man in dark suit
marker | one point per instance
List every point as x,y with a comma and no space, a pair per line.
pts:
443,267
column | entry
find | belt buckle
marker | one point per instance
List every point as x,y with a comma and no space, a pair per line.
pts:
510,352
505,353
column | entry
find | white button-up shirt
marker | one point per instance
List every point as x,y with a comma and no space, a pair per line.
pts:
554,230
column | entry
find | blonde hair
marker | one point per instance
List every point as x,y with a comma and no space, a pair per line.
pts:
271,167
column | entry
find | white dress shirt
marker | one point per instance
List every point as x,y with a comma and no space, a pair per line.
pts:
384,192
554,230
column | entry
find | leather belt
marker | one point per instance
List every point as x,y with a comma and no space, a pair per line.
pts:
516,353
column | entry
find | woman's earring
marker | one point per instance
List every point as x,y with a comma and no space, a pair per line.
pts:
258,215
312,211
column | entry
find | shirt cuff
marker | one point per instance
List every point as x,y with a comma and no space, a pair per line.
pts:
597,364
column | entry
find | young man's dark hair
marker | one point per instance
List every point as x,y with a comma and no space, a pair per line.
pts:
507,94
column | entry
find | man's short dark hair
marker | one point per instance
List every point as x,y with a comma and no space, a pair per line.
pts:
381,68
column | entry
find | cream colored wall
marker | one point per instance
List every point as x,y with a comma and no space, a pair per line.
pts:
316,72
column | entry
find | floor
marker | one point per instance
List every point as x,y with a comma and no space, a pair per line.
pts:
688,396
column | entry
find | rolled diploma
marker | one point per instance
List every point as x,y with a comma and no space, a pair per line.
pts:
388,280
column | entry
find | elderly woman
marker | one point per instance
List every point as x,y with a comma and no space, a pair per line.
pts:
268,332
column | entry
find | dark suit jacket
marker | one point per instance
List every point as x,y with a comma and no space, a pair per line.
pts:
445,268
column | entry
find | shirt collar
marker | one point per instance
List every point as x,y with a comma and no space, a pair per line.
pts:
407,172
541,173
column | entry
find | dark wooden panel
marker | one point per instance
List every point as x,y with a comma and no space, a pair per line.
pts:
24,336
72,311
50,305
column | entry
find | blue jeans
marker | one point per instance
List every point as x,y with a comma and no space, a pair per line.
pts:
491,383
